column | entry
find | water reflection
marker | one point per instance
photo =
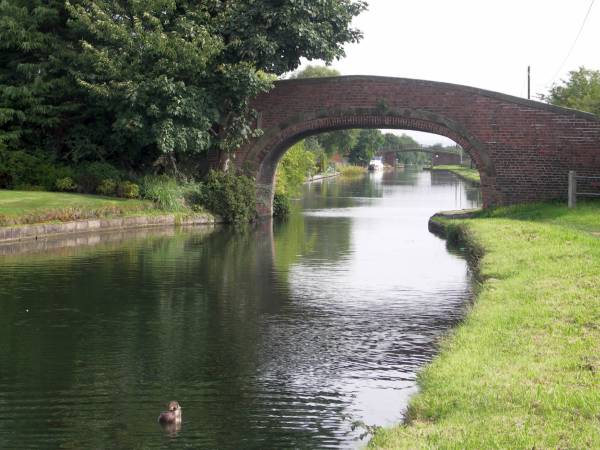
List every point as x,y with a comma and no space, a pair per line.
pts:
272,337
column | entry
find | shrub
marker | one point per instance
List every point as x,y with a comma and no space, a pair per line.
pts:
107,187
352,171
6,179
164,191
29,187
231,196
90,175
65,184
20,170
127,189
281,205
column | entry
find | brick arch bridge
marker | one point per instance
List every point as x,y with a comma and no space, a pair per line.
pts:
523,149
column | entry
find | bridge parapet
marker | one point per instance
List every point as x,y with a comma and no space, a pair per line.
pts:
523,149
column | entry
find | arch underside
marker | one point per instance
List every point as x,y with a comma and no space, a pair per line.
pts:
263,157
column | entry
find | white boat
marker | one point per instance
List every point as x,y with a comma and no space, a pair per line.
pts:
375,165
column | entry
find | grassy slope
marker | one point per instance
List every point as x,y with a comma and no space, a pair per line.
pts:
464,172
351,171
523,370
18,207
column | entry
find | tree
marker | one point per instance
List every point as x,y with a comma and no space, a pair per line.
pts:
367,143
296,165
129,81
338,141
315,72
40,105
580,91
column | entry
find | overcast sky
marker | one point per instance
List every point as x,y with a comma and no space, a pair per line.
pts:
486,44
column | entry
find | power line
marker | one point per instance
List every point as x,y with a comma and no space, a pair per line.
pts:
573,45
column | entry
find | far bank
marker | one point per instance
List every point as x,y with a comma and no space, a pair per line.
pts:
26,215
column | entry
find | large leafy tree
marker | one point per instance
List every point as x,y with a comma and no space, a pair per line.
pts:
40,106
151,65
134,80
338,141
367,143
580,91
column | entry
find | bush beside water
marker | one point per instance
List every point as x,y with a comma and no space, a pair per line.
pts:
166,192
294,168
281,205
231,196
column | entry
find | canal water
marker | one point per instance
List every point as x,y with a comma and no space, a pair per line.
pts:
283,336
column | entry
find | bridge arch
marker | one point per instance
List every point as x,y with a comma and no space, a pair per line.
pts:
523,149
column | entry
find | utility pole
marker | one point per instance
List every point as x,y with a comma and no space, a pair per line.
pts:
528,82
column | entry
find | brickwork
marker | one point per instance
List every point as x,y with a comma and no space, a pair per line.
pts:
523,149
390,159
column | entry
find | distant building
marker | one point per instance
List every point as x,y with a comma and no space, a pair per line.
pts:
336,158
390,159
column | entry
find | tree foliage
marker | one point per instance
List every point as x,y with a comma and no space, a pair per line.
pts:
367,143
338,141
130,81
231,196
39,103
395,142
296,165
580,91
315,72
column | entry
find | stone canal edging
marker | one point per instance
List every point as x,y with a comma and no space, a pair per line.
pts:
439,229
322,176
43,230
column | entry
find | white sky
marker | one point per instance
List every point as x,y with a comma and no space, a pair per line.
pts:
486,44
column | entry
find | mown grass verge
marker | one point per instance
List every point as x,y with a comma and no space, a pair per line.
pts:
463,172
28,207
523,369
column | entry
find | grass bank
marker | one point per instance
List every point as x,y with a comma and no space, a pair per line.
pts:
523,369
349,171
463,172
27,207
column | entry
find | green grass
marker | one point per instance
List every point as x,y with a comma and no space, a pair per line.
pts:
352,171
24,207
463,172
523,369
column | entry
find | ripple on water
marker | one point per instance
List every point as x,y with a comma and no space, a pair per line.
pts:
268,340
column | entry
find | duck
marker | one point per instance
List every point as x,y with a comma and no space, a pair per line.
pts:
172,415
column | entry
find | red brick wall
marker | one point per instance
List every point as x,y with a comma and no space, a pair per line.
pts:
390,159
523,149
